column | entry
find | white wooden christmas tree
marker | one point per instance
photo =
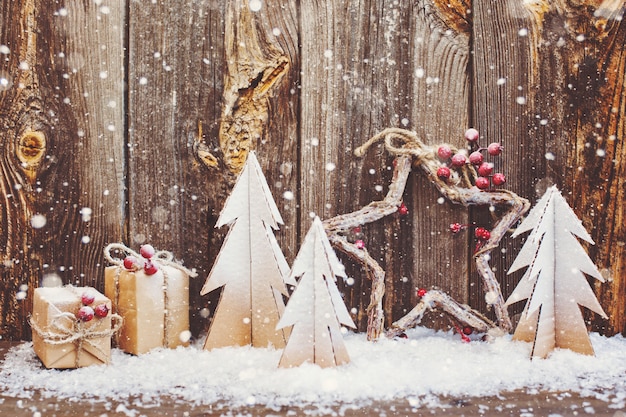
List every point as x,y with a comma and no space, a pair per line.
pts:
316,309
250,266
554,283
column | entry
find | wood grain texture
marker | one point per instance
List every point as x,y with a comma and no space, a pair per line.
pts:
580,67
181,69
503,90
441,87
356,64
173,87
49,135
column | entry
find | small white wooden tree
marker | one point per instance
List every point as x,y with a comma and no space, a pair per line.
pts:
316,309
250,266
554,283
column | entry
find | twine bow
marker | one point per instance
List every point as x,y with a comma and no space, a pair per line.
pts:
161,257
78,332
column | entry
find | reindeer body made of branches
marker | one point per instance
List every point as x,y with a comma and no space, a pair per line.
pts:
460,188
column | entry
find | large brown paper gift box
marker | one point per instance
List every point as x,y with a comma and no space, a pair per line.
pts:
53,322
155,308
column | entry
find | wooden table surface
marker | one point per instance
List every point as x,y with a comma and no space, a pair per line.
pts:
507,404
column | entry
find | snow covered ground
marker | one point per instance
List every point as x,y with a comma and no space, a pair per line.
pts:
419,370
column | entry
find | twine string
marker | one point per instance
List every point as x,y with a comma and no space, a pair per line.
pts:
78,332
161,257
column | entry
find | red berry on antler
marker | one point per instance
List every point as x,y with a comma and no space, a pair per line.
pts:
403,210
485,169
482,233
476,158
421,292
471,135
494,149
456,227
498,179
444,152
482,183
459,160
359,244
443,173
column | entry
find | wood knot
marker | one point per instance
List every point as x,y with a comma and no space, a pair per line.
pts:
31,149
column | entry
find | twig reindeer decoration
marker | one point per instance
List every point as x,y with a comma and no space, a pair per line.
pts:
461,186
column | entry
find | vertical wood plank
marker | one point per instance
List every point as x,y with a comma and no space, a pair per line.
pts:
354,70
173,86
55,115
580,66
184,67
440,106
503,91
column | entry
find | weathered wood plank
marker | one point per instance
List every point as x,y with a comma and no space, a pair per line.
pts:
55,128
355,65
558,113
503,91
440,105
207,73
580,71
173,88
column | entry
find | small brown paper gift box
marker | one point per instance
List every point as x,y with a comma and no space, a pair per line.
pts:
155,308
62,341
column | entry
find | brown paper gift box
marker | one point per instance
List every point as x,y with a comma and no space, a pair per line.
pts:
155,308
54,321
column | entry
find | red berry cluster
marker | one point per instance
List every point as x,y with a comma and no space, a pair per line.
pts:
486,177
87,312
133,264
481,234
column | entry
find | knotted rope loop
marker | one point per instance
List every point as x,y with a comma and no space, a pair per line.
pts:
160,257
75,331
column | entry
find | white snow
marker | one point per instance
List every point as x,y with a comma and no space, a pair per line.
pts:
420,370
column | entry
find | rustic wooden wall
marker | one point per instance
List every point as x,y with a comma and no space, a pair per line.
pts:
128,121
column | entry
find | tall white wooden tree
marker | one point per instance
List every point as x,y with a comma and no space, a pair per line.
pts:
250,266
554,283
316,309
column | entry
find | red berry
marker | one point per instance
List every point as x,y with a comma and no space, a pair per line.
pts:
494,149
482,183
485,169
356,229
131,263
471,135
443,173
459,160
456,227
421,292
482,233
467,330
150,268
444,152
359,244
87,298
101,310
147,251
403,210
498,179
476,158
85,313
